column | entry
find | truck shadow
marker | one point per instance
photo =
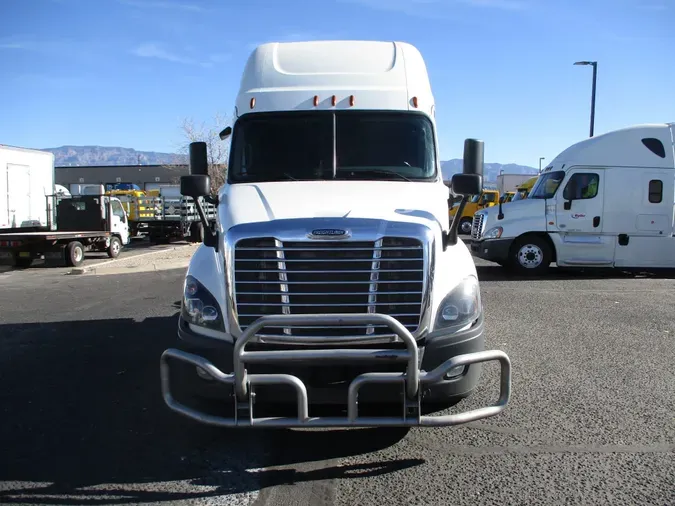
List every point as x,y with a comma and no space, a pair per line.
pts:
82,407
495,272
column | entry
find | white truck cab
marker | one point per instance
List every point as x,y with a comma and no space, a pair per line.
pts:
607,201
332,276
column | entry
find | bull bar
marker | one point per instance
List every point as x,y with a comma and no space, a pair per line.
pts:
412,379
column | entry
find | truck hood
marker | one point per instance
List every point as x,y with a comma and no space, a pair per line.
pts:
387,200
514,211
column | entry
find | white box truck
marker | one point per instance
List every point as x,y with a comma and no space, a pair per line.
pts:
606,201
26,181
332,276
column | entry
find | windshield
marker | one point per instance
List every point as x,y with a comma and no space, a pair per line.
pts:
299,146
520,195
546,185
475,199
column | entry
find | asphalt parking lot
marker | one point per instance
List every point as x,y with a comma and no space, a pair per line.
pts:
591,420
137,246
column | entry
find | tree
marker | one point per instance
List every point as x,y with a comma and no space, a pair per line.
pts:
216,149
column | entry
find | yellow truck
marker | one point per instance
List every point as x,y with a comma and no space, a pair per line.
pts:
132,200
487,198
507,197
524,189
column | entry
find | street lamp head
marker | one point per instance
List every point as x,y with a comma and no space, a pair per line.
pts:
585,63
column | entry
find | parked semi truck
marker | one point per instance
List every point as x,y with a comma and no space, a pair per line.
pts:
333,275
606,201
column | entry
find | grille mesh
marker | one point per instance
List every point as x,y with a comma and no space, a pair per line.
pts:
319,277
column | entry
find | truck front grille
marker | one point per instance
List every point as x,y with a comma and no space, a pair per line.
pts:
477,226
319,277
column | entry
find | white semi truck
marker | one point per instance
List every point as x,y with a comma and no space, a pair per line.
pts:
606,201
333,275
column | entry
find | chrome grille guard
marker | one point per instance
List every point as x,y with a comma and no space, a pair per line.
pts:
412,380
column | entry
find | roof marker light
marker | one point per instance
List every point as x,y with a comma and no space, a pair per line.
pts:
333,100
252,102
316,100
351,100
414,101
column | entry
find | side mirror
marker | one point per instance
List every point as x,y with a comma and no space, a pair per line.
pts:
569,193
198,159
467,184
225,133
195,186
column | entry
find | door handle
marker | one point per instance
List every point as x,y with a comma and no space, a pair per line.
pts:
596,221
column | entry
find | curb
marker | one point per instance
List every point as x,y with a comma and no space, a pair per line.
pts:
92,268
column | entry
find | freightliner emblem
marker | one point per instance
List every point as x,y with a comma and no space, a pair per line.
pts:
328,233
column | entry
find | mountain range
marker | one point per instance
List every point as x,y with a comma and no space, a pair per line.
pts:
103,155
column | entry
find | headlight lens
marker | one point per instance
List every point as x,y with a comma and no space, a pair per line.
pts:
493,233
461,306
199,306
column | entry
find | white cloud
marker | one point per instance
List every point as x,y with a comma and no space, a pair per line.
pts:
12,45
155,50
161,4
497,4
437,8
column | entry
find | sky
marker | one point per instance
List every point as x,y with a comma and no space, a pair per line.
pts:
129,72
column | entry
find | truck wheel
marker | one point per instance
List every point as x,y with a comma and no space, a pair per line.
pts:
74,254
530,255
465,225
115,247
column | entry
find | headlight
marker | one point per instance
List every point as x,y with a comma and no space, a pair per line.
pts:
199,307
493,233
460,307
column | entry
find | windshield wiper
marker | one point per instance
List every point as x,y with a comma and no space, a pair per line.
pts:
378,171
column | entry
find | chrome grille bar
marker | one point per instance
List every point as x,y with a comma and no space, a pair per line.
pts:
385,276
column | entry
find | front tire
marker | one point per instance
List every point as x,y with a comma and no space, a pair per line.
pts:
114,247
465,226
531,255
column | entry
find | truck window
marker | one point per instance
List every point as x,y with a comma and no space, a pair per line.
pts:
397,142
281,147
655,191
302,146
489,197
117,209
546,185
582,185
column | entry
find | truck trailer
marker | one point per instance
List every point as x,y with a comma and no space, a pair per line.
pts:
606,201
333,276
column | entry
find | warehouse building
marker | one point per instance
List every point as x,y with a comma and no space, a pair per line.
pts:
147,177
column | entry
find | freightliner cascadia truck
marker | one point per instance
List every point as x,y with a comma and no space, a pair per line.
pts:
333,276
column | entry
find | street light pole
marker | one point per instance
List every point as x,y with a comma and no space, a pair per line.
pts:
594,64
540,159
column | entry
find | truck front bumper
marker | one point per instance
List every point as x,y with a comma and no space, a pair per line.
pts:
425,377
492,250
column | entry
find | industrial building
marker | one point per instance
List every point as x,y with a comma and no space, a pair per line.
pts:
147,177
